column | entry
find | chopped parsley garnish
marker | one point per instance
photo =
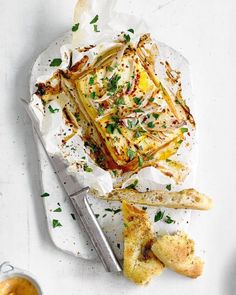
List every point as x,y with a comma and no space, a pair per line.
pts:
118,245
183,130
115,211
144,208
77,116
96,215
120,101
100,110
95,27
91,80
128,86
75,27
110,69
45,195
56,62
130,124
104,215
138,111
132,185
140,161
159,215
169,220
156,116
131,31
73,216
56,223
127,38
113,83
87,168
125,225
168,187
95,19
93,94
151,124
151,99
130,154
139,132
114,172
112,127
52,110
164,126
57,210
180,141
137,100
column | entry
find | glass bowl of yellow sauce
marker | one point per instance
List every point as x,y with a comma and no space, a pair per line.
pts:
15,281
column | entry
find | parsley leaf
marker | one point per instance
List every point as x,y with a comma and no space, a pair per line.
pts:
137,100
131,31
95,19
168,187
132,185
159,215
52,110
169,220
56,223
87,168
127,38
156,116
183,130
56,62
100,110
91,80
95,27
75,27
45,195
130,124
113,83
73,216
151,99
57,210
140,161
93,94
130,154
151,125
120,101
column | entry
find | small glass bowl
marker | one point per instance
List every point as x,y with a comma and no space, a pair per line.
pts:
7,271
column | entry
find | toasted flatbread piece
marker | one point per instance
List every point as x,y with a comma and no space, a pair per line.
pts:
139,262
187,198
177,252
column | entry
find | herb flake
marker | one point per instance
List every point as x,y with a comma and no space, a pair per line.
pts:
56,223
75,27
45,195
158,216
56,62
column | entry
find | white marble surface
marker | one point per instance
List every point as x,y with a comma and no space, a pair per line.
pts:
204,31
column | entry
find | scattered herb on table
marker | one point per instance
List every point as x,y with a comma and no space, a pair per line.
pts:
96,215
87,168
73,216
131,31
95,19
56,223
57,210
45,195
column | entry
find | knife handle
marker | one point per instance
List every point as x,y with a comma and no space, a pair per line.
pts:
94,231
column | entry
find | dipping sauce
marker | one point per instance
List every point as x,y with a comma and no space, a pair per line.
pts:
17,286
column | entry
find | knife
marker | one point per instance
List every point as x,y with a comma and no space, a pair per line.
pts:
80,202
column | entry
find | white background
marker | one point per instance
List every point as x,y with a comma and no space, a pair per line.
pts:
204,32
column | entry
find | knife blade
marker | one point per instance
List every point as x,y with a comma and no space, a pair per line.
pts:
80,202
